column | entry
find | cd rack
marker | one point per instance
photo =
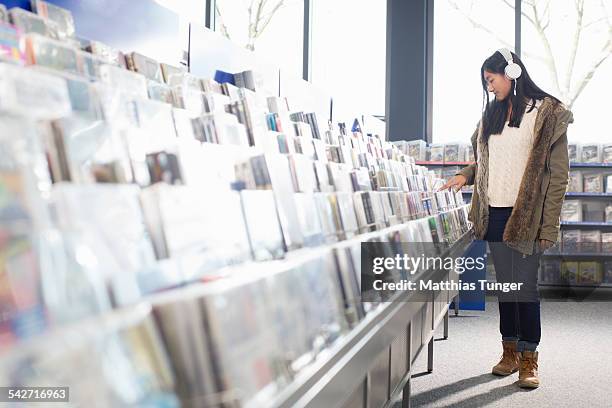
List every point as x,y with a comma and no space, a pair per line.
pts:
142,202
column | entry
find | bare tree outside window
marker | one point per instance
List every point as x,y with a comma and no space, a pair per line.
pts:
260,13
571,39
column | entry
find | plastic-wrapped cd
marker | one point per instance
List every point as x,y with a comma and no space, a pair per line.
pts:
189,99
87,150
347,215
591,153
145,66
10,50
152,131
52,54
169,71
84,100
160,92
60,16
210,85
112,213
183,124
261,217
130,83
184,221
31,23
33,94
108,54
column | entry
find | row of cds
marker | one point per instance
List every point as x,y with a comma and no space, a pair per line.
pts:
463,152
572,272
589,182
586,211
437,152
585,241
119,180
590,153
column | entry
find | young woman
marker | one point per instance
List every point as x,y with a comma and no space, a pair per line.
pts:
519,177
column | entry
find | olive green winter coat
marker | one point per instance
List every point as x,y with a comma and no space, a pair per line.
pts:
535,214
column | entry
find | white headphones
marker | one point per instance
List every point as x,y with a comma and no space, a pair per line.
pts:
512,70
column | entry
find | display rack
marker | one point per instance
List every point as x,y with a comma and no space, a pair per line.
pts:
349,365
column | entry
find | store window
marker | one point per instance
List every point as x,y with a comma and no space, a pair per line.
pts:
466,32
348,53
566,47
274,29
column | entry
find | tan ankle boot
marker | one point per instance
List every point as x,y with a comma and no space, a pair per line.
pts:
509,362
528,374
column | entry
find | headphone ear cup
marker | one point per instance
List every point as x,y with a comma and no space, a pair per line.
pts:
513,70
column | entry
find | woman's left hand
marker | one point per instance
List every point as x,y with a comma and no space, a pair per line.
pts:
545,244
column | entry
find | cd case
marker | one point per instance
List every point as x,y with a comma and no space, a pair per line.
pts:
60,16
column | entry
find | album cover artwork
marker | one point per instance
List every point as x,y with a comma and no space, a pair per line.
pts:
591,153
164,168
571,241
593,183
589,272
571,211
608,215
452,152
52,54
436,153
590,241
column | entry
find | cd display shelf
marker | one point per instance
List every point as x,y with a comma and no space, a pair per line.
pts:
579,269
375,359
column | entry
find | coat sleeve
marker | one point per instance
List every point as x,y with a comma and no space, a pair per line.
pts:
559,174
469,172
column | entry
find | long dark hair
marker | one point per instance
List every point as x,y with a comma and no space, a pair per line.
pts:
495,112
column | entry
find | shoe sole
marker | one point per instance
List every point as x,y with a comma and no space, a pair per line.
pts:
503,373
528,385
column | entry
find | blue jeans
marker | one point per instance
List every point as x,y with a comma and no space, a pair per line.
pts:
519,312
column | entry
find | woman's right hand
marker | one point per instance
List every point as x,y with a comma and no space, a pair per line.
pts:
456,182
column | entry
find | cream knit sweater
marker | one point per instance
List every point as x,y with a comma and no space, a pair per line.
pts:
508,154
